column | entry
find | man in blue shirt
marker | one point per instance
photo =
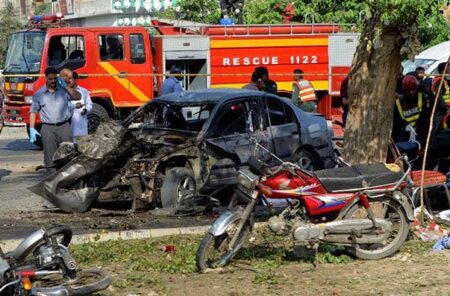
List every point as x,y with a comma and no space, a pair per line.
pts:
53,101
172,83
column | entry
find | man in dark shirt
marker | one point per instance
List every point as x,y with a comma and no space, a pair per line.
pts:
256,82
424,82
55,107
270,85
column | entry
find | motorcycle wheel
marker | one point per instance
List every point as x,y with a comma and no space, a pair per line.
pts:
390,210
215,252
86,283
62,233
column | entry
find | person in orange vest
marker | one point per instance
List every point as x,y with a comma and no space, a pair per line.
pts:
445,90
303,94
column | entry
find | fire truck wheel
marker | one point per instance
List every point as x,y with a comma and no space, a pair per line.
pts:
38,138
97,115
177,185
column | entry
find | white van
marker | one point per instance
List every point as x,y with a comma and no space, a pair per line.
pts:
430,58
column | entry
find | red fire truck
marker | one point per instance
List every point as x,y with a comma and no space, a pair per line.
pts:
123,67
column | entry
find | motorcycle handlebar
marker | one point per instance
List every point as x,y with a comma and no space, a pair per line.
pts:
284,165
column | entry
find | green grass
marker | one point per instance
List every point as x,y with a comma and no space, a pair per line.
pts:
141,263
141,255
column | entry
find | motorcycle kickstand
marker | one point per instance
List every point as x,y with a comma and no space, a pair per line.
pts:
315,247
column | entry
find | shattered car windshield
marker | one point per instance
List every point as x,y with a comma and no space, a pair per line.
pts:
178,116
24,52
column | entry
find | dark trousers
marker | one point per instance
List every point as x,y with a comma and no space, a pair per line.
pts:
439,152
52,136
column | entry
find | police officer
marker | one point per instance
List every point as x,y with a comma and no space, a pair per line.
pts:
172,83
54,103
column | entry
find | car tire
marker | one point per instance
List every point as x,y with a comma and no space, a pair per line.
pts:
97,115
306,160
38,138
178,183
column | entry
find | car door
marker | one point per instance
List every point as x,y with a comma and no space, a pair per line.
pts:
282,127
236,126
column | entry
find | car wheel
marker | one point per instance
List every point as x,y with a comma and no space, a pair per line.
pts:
97,115
38,138
178,184
306,160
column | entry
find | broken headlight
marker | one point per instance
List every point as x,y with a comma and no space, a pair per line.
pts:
247,179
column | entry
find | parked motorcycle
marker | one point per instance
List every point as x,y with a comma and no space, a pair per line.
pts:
361,207
42,265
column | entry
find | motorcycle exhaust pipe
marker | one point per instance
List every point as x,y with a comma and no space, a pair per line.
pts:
337,231
38,273
54,291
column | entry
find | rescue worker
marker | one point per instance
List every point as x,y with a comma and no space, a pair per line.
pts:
445,90
235,6
270,86
256,82
303,94
172,83
439,152
54,103
413,111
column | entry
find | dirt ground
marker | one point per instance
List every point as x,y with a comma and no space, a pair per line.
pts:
140,268
422,275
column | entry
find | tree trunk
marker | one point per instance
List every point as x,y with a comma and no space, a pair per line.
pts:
372,83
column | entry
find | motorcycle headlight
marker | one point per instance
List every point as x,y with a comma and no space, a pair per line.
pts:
247,179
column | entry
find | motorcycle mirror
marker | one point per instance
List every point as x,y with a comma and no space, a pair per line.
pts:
256,166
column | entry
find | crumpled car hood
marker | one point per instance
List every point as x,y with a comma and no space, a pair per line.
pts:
91,168
76,185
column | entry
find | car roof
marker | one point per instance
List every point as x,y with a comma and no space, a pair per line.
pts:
436,52
215,95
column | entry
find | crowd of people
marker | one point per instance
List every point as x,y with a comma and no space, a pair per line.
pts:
63,106
416,95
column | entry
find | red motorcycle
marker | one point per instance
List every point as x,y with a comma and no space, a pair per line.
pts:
361,207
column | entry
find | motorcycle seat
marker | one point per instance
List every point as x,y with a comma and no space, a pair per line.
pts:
358,177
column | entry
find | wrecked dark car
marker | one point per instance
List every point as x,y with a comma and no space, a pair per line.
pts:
181,144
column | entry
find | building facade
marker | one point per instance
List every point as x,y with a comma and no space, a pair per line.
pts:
90,13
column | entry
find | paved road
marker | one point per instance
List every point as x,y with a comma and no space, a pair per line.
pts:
21,211
18,160
15,147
